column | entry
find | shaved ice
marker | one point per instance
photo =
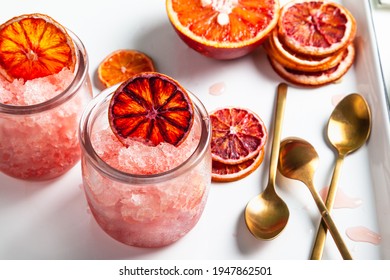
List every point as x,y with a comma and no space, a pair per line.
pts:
44,144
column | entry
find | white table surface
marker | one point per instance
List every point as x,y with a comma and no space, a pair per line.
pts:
44,229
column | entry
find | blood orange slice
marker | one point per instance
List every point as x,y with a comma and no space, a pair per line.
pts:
317,78
120,65
223,29
297,61
238,135
34,46
316,27
151,107
222,172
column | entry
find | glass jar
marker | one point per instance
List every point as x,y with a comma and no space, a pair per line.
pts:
40,141
144,210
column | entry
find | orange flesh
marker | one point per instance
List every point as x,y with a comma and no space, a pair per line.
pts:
315,24
237,135
245,19
151,108
33,47
121,65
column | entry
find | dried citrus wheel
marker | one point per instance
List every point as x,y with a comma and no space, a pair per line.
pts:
151,107
120,65
223,29
34,46
238,135
297,61
222,172
317,78
316,27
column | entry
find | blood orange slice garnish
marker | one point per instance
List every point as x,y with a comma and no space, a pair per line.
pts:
298,61
120,65
151,107
34,46
317,78
222,172
223,29
238,135
316,27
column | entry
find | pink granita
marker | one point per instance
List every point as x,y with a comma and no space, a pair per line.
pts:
24,93
39,121
142,195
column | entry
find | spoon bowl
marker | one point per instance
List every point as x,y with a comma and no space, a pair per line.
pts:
298,160
349,127
266,214
349,124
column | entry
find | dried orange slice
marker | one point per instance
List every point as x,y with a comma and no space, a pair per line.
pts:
120,65
297,61
317,78
222,172
223,29
316,27
34,46
151,107
238,135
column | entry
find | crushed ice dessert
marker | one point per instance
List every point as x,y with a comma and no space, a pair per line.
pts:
144,196
39,121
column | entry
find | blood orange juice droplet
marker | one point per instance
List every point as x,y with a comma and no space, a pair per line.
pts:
217,88
363,234
342,200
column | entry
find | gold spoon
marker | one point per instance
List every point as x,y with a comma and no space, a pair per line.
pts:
298,160
348,129
266,214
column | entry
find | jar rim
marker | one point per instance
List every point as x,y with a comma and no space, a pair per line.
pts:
85,127
81,72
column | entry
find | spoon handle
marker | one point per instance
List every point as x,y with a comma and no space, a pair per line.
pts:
330,224
279,115
319,243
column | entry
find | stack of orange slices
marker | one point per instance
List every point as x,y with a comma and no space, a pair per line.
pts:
312,43
237,144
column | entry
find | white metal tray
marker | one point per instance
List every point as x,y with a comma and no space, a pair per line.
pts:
50,220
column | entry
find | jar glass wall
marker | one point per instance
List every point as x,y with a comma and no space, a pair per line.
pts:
40,141
145,210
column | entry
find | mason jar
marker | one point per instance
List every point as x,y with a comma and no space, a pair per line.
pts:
144,210
40,141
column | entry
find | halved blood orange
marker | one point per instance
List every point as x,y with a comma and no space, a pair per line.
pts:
223,29
34,46
238,134
293,60
316,27
151,107
120,65
222,172
317,78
